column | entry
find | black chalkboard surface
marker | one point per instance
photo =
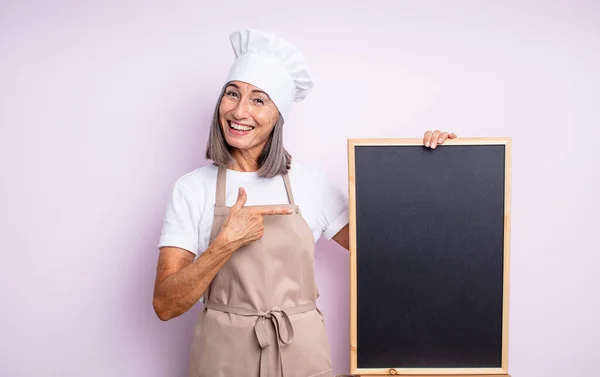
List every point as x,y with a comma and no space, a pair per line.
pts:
429,247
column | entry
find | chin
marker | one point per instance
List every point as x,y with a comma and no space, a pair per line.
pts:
236,143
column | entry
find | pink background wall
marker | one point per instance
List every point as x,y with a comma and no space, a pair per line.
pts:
103,104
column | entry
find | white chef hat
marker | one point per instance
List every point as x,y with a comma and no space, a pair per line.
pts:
272,64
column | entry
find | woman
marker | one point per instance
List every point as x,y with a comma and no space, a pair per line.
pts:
234,234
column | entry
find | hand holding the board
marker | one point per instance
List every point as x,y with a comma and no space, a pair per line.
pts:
245,224
431,139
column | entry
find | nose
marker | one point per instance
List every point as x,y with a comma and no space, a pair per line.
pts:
241,110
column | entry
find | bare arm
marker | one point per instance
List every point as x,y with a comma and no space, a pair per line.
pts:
181,281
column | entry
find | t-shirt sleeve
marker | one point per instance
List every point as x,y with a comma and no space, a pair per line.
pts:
180,224
334,208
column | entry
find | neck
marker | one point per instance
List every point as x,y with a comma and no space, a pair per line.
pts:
244,160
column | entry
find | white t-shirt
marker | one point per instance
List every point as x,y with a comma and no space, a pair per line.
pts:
190,212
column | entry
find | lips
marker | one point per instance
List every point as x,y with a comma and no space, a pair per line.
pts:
240,127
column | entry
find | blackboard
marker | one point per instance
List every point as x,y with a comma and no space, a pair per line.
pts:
429,248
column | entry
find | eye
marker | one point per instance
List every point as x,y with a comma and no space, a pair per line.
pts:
259,101
231,93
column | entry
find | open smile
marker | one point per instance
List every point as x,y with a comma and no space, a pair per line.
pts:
239,129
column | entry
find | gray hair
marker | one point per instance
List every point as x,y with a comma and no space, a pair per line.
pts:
275,159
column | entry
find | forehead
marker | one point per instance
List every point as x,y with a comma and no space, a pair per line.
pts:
244,86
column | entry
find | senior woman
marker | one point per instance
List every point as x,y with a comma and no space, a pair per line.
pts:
236,235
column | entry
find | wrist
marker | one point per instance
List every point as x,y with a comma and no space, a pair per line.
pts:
223,245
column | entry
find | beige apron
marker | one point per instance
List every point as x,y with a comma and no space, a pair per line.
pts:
260,317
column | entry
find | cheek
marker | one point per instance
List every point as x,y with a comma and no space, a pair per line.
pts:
268,118
268,124
226,106
222,109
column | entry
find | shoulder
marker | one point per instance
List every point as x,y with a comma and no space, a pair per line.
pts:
311,180
302,170
197,179
197,185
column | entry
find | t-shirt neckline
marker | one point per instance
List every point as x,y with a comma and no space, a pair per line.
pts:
243,175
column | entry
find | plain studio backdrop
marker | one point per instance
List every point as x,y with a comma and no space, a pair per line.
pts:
104,104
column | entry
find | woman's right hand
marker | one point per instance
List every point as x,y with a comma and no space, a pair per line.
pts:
245,224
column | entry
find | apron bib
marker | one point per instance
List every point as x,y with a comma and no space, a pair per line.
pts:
260,317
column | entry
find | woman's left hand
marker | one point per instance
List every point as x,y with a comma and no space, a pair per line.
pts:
434,138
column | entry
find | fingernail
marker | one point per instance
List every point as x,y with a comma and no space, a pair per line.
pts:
290,211
433,146
427,144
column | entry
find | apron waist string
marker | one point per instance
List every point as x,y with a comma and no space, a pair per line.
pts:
279,318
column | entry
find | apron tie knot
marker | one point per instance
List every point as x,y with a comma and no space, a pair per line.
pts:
281,323
280,318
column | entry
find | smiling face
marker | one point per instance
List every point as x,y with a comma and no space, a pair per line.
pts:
247,116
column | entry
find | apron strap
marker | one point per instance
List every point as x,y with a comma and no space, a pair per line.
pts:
220,194
288,188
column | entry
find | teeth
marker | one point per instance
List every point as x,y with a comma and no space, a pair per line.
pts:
240,127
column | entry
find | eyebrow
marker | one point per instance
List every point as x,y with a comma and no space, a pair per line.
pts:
253,90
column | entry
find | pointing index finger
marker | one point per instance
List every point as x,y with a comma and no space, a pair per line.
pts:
274,211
